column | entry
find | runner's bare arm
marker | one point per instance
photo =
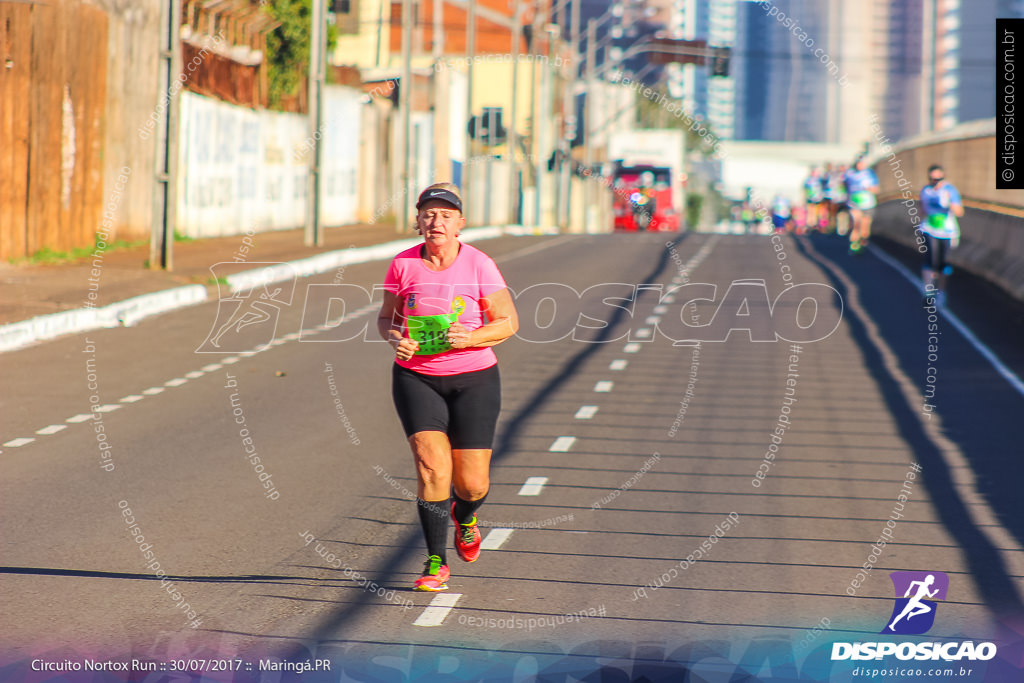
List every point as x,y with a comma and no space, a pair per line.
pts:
390,329
502,323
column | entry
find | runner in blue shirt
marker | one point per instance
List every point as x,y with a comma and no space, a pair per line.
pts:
941,205
814,196
861,188
781,213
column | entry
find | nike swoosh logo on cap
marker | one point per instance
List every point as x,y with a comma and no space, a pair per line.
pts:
434,194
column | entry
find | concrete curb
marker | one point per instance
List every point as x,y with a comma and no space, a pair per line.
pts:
120,313
130,311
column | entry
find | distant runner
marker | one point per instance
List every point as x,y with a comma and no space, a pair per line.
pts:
814,198
781,213
861,188
445,305
941,204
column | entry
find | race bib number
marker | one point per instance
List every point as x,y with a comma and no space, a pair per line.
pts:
863,200
431,332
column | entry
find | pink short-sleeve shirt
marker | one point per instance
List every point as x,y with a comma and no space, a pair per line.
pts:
455,291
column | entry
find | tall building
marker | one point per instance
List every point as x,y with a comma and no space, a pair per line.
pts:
719,105
959,40
826,70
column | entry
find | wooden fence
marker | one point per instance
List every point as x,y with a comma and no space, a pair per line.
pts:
52,90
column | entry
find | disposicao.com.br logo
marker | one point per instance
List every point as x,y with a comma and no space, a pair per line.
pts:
913,614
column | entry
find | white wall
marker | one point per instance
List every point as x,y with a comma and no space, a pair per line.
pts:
246,170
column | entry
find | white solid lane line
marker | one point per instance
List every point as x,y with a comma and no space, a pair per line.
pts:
496,538
984,350
585,412
438,609
533,486
562,444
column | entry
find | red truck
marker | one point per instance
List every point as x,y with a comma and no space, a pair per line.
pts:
647,180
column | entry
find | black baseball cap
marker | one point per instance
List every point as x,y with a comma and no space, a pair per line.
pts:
439,194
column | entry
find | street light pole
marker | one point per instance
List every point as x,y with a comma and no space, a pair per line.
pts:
569,109
470,54
161,241
317,48
405,103
512,143
588,143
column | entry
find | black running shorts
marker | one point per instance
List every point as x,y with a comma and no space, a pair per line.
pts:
463,406
935,255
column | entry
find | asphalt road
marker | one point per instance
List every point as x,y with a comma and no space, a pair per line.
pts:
647,450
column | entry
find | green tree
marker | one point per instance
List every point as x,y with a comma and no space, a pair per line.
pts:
288,47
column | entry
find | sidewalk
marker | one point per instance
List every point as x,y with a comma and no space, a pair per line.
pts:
33,290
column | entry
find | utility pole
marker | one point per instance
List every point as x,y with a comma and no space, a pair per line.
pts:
588,143
512,142
317,47
161,240
569,107
538,102
438,46
470,54
405,103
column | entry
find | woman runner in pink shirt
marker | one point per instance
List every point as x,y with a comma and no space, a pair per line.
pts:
445,305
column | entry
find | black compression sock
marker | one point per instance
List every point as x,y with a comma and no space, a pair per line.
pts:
434,520
465,509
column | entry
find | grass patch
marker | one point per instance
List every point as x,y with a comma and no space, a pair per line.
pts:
48,256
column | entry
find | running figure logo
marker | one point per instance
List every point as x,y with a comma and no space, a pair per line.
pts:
914,613
250,308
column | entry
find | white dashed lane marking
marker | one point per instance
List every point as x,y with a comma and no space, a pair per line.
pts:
438,609
644,332
652,320
176,382
562,444
660,309
618,364
585,412
533,486
604,386
631,347
52,429
495,539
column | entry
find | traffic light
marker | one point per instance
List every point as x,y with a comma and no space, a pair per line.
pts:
487,128
720,61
